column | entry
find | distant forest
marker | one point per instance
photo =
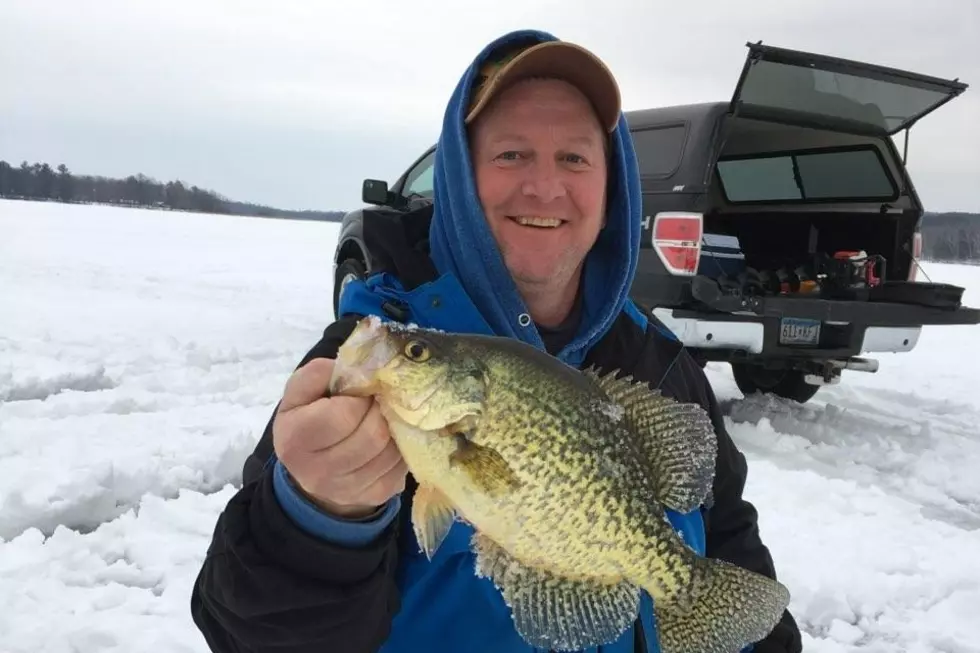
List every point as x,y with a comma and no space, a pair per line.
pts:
951,237
39,181
945,236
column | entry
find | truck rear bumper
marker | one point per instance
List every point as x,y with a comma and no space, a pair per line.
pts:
727,327
749,335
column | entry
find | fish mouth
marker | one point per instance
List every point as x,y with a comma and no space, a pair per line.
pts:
365,352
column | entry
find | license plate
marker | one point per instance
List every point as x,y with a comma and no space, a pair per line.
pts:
797,331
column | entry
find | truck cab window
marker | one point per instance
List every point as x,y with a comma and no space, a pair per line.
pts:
419,181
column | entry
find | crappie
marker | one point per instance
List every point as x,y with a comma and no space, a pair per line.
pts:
565,476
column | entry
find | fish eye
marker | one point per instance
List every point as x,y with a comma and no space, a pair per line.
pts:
417,351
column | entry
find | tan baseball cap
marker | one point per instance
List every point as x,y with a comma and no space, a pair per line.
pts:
561,59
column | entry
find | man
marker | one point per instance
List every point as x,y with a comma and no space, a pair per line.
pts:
533,235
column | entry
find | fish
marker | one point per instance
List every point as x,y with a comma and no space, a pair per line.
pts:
565,476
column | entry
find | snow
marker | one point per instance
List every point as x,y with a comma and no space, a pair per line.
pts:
142,352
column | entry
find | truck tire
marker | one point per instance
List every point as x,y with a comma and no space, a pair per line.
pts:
348,270
789,384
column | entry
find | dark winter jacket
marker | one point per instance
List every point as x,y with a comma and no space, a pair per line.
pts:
275,581
282,576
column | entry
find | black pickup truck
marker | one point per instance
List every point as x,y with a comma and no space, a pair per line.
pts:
781,228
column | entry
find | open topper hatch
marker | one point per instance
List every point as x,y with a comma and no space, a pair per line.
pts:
822,89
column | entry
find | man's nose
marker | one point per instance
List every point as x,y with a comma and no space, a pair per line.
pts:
544,181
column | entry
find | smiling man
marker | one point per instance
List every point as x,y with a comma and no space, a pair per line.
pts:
539,159
534,235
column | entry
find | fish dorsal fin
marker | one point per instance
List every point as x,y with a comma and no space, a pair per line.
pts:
678,439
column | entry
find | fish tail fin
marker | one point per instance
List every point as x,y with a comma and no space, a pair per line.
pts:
727,608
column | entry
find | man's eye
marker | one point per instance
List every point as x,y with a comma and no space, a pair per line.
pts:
509,155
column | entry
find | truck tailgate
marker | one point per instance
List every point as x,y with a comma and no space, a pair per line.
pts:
865,313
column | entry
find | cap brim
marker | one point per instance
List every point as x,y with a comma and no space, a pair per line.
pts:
566,61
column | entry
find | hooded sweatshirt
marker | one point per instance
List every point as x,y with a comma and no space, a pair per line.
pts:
463,246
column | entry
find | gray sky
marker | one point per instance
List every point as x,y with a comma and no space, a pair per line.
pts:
293,102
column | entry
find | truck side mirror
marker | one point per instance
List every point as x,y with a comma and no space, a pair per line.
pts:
375,191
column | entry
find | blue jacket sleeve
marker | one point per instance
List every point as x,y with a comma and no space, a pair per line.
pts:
315,522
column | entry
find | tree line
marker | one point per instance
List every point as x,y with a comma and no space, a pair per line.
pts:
39,181
945,236
951,237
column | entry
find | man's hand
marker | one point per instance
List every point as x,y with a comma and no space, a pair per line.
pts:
338,450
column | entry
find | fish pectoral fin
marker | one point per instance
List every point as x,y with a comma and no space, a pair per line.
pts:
486,468
677,439
432,517
552,612
728,608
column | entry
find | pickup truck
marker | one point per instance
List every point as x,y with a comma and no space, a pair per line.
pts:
781,228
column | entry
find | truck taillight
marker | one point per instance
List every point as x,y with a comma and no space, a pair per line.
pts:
677,241
916,255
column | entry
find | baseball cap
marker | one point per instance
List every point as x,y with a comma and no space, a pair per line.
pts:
561,59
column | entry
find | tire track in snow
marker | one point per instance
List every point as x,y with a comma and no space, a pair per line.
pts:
877,438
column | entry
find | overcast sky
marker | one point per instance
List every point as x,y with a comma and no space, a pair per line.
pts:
293,102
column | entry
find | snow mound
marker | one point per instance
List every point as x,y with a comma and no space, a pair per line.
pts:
120,587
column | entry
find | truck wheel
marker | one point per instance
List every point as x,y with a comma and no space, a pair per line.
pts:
349,270
788,384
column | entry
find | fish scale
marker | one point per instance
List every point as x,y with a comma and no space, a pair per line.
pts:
566,476
575,458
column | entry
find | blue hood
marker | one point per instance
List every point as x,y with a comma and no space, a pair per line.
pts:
462,244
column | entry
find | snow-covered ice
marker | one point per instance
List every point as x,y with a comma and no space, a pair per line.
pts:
141,354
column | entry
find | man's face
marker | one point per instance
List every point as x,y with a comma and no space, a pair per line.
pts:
540,164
